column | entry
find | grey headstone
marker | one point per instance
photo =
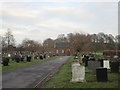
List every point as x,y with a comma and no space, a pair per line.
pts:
96,64
78,72
90,64
93,65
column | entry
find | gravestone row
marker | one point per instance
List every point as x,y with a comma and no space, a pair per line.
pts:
99,66
78,72
92,63
20,58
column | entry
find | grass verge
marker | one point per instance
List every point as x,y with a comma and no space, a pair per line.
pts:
14,65
63,77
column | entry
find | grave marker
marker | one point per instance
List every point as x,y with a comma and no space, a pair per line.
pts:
101,74
93,65
115,67
106,64
78,72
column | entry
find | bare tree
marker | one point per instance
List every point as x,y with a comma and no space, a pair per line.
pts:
80,42
31,46
9,38
49,44
8,41
61,38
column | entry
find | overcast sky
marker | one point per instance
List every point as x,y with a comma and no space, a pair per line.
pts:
43,19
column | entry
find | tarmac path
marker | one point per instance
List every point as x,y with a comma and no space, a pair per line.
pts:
30,76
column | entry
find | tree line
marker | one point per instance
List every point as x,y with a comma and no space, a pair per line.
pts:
78,42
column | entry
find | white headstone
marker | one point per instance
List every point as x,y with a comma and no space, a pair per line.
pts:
106,64
37,57
62,51
48,56
9,55
78,72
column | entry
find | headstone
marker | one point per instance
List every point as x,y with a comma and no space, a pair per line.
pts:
78,72
38,58
90,64
17,59
106,64
101,74
101,62
85,60
5,61
41,56
29,58
114,67
25,58
91,58
96,64
44,56
48,56
93,65
22,58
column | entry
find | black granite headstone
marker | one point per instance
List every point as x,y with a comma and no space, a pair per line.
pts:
29,58
17,59
85,60
41,57
101,74
5,61
22,59
101,62
114,67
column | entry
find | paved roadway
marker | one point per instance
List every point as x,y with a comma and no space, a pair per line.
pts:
29,76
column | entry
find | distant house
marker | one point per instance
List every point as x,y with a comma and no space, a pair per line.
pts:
62,49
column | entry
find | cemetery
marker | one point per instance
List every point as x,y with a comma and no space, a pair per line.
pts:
93,73
88,66
18,61
59,44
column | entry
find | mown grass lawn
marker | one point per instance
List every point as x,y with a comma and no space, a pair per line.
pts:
14,65
63,77
97,53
